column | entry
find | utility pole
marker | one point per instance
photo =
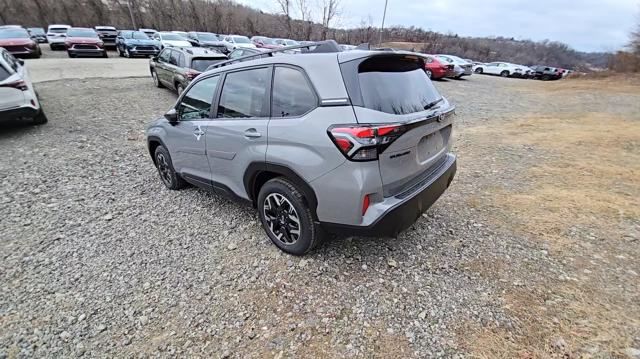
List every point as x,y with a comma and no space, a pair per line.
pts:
384,15
133,21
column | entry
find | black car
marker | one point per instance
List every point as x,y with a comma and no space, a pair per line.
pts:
38,34
545,73
108,35
208,40
175,67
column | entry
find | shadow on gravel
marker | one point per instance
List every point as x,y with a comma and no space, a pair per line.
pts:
13,127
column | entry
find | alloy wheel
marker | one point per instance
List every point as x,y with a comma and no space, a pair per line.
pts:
429,74
164,169
155,78
282,219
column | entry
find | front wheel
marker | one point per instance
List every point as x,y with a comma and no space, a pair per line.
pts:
286,217
479,70
105,55
429,74
504,73
168,175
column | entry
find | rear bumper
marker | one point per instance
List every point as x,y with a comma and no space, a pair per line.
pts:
18,112
404,214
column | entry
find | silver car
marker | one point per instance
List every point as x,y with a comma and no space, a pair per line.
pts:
461,67
356,143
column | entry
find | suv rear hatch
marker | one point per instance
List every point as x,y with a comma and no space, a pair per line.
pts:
391,92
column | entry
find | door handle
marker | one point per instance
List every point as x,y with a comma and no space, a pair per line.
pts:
252,133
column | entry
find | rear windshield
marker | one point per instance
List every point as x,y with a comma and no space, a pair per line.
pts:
395,85
58,30
201,64
37,30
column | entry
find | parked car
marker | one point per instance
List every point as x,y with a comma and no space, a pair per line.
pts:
236,41
84,41
208,40
108,35
11,27
437,69
38,34
18,99
460,66
343,47
503,69
149,32
359,142
286,42
175,67
169,39
545,73
131,43
19,43
186,36
56,35
265,42
240,52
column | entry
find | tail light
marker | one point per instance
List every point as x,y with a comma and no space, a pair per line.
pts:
365,204
364,142
18,85
192,74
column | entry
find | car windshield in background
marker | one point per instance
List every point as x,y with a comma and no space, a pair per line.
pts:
201,64
82,33
395,85
140,35
37,30
241,40
14,34
58,30
268,41
291,42
206,36
172,37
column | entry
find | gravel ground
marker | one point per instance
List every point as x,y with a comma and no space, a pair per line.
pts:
99,259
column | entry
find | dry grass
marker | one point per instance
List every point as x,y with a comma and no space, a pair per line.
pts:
587,175
610,82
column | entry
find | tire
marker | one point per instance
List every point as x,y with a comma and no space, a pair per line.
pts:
105,54
70,55
479,70
156,80
504,73
40,118
545,78
168,175
118,51
179,88
429,74
283,210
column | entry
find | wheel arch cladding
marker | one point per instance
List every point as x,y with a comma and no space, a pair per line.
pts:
152,144
257,174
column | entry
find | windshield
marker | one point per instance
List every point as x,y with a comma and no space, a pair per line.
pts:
139,35
58,30
207,36
37,30
171,37
241,40
291,42
201,64
396,85
81,33
14,34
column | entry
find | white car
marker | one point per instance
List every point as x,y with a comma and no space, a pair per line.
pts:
18,98
503,69
57,35
170,39
235,41
461,67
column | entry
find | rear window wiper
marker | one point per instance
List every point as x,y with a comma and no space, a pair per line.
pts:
430,105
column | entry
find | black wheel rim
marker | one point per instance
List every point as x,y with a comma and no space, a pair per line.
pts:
282,218
164,169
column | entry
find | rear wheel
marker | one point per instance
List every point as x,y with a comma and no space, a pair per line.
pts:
479,70
168,175
429,74
504,73
40,118
286,217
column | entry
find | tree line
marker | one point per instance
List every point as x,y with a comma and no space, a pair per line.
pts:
297,19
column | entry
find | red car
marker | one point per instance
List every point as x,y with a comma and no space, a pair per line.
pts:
18,42
437,69
264,42
84,41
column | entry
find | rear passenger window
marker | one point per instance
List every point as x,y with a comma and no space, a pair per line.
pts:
244,94
196,103
292,94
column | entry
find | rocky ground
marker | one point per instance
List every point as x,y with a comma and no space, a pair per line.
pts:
97,258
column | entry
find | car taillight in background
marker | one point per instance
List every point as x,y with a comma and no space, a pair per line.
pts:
192,74
18,85
364,142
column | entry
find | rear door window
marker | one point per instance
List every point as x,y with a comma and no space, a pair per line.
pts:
395,85
292,93
245,94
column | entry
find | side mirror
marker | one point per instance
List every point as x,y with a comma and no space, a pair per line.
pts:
172,116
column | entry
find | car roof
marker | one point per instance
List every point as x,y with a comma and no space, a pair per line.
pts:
60,25
82,28
105,28
200,52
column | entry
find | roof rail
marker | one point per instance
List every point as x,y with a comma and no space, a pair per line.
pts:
326,46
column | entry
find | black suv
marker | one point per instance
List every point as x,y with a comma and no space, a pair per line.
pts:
208,40
545,73
175,67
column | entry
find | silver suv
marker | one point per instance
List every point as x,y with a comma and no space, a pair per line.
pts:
354,143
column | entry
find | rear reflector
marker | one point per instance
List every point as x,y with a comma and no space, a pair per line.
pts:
364,142
365,204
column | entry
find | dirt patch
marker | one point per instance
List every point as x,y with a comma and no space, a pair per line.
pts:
579,201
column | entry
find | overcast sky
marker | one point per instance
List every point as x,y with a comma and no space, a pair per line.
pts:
586,25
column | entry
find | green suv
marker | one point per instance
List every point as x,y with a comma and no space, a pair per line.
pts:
175,67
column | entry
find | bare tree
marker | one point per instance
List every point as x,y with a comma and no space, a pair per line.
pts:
329,12
635,39
285,10
305,16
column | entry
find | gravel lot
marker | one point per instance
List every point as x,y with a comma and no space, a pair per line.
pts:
99,259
